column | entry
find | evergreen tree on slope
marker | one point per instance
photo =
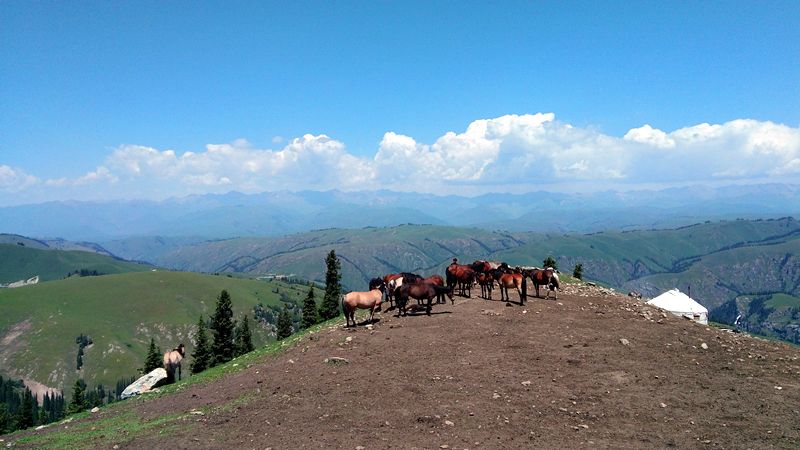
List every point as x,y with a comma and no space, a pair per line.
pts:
333,289
222,328
201,357
310,315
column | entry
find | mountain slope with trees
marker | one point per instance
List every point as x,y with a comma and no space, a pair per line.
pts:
591,369
120,314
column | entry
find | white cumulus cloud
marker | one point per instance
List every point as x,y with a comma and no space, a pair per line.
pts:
511,152
15,180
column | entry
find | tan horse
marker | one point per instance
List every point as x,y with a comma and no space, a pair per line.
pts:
363,300
172,362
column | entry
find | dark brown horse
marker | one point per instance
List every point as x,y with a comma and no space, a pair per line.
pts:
420,291
460,275
172,362
437,280
395,280
486,281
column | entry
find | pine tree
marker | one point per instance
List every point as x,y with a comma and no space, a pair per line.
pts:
310,315
201,357
153,359
577,272
26,417
78,402
550,262
333,290
244,338
284,325
222,328
5,419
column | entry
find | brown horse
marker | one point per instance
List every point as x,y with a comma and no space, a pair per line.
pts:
395,280
437,280
512,280
370,300
420,291
545,277
460,275
486,282
172,362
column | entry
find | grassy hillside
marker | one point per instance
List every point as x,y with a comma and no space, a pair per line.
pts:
21,262
39,324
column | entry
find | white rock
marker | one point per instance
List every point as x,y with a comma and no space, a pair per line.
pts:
95,409
704,346
624,341
145,383
526,383
449,423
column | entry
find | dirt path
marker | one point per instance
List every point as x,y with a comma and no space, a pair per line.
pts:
583,371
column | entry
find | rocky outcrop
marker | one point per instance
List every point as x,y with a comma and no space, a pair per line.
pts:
146,383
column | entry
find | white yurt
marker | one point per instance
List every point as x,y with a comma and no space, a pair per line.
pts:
681,304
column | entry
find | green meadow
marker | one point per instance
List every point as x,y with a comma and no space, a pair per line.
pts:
120,313
22,262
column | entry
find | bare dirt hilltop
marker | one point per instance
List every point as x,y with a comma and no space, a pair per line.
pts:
591,369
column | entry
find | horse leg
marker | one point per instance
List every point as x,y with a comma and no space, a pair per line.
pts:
428,309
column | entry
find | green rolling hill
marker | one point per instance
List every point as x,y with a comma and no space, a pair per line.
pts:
39,324
19,262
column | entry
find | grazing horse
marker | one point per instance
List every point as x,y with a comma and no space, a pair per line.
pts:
420,291
172,362
462,275
363,300
512,280
545,277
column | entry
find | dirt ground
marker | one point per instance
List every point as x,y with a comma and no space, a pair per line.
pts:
591,369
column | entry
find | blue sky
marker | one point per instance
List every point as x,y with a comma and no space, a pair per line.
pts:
105,98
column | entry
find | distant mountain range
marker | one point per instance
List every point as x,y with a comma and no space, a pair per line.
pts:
197,218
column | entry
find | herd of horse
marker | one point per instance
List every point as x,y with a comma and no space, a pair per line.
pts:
398,288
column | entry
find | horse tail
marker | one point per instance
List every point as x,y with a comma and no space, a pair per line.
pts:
524,289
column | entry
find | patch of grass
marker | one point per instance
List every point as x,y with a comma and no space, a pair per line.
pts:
783,301
118,429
